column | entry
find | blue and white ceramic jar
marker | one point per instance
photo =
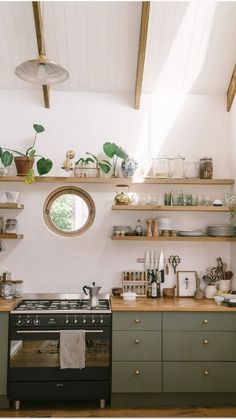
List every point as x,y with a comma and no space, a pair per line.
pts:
129,166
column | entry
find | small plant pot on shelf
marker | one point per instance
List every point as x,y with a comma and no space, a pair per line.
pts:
210,291
23,165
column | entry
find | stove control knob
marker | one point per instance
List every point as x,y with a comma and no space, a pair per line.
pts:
84,320
93,320
75,320
36,321
101,320
19,321
28,321
67,321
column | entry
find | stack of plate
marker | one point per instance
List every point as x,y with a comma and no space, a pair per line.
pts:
222,230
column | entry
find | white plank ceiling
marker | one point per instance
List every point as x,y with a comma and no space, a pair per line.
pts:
191,45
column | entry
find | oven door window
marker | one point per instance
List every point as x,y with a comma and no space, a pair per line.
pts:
42,350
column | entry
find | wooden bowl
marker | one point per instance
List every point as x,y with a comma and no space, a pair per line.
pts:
116,292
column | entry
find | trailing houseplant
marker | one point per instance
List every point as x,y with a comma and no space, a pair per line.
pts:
84,162
24,161
113,151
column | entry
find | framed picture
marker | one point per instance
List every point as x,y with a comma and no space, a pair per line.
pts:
186,283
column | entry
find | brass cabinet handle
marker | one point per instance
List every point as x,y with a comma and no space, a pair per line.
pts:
206,372
205,321
137,341
137,372
137,321
205,342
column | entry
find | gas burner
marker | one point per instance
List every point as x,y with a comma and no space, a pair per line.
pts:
56,306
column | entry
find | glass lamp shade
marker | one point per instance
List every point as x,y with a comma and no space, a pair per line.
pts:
41,71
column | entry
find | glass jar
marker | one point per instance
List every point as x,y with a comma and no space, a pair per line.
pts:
161,167
7,290
206,168
177,167
18,288
191,170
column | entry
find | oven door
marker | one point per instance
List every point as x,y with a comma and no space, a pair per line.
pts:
34,355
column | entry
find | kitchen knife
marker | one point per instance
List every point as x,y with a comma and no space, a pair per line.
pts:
161,266
147,260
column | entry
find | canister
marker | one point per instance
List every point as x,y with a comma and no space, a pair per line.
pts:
161,167
206,168
177,167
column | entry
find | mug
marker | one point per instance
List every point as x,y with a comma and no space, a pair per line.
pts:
12,196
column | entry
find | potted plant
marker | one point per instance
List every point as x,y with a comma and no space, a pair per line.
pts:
113,151
24,161
90,166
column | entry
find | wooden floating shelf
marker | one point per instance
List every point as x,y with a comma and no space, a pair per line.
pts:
11,236
177,238
124,181
169,208
11,205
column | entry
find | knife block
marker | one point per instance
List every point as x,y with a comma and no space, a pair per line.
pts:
135,281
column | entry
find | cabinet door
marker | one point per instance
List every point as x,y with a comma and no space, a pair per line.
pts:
199,321
136,345
3,352
199,377
199,346
136,377
137,321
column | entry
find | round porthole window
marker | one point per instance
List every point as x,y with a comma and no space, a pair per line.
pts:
69,211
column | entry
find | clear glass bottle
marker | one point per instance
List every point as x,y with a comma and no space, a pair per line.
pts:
206,168
139,228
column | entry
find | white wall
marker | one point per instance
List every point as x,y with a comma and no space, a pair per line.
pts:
193,126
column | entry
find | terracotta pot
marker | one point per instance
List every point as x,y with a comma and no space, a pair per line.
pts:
23,165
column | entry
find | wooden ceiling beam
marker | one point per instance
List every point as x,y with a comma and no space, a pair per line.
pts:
40,42
141,52
231,90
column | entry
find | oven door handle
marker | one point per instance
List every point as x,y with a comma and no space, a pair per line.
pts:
19,332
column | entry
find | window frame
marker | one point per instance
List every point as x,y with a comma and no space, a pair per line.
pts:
56,193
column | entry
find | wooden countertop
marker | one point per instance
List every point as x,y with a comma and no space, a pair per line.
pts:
8,305
168,304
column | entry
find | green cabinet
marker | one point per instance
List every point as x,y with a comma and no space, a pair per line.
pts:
199,352
4,317
137,352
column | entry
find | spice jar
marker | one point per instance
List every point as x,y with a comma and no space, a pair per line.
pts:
206,168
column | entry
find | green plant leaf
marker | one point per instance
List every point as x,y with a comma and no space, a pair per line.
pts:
89,160
95,160
38,128
7,158
31,153
44,166
0,152
109,149
104,167
105,161
120,152
30,177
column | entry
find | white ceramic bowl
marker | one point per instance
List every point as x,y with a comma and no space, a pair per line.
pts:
129,296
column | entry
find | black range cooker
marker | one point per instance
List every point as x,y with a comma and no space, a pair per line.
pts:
34,344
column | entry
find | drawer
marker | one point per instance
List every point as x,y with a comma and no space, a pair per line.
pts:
135,345
199,346
137,321
199,321
199,377
136,377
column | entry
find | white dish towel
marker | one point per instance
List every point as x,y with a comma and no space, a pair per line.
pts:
72,349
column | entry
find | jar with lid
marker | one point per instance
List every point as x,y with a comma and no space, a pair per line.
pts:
191,170
7,289
18,288
206,168
177,167
161,167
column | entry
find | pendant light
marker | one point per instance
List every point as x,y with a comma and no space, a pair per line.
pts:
41,70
